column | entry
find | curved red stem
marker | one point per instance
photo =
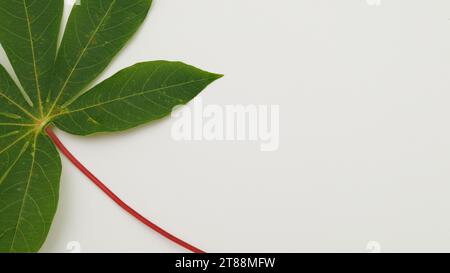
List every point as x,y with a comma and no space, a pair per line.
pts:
114,197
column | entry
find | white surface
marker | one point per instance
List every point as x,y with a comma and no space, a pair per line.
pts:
364,94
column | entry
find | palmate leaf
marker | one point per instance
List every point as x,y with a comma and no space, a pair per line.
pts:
53,83
30,170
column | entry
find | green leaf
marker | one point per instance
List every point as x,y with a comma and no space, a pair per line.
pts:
14,109
29,174
29,164
29,33
16,121
136,95
53,83
29,189
95,32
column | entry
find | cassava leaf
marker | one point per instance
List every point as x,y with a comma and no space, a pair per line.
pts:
136,95
95,32
16,121
53,84
29,174
14,108
29,190
29,33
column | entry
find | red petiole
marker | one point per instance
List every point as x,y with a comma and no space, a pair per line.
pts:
114,197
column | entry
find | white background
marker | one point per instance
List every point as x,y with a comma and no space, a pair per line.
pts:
364,94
